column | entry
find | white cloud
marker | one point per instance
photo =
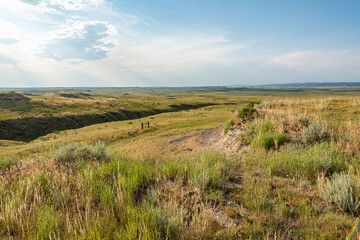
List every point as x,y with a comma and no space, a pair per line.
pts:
37,13
80,40
168,53
315,59
74,5
102,43
8,41
7,60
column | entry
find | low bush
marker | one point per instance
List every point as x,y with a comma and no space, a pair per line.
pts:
342,191
72,152
246,112
253,104
314,133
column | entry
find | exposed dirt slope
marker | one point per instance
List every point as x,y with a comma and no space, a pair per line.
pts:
212,139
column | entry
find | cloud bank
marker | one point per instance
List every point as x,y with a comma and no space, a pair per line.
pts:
94,43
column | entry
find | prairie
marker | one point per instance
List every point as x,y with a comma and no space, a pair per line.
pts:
286,168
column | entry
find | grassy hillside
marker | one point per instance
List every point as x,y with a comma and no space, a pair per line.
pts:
287,168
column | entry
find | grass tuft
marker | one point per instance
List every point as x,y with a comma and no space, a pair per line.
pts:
266,136
228,125
71,152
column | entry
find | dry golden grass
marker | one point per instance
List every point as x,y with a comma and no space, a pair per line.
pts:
153,190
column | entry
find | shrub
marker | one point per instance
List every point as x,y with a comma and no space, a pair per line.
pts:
253,103
228,125
246,112
314,133
71,151
341,190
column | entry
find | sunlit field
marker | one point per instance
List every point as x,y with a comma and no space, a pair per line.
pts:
249,167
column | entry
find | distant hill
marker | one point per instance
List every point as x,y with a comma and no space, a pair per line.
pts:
314,84
73,95
13,96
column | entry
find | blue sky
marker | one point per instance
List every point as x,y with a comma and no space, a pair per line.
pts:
72,43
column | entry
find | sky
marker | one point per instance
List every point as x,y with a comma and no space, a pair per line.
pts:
159,43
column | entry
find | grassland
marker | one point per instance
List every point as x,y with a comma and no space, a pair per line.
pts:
293,175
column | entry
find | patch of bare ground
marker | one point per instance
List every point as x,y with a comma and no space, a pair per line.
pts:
214,139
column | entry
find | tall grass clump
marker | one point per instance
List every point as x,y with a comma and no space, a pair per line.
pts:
266,136
48,226
342,191
314,133
248,133
228,125
303,120
210,170
71,152
8,163
306,162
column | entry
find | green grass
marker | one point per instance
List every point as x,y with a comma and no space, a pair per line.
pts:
266,136
7,163
108,199
141,186
228,125
304,162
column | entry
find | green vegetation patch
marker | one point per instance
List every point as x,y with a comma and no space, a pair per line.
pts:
228,125
7,163
267,137
108,196
304,162
246,112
